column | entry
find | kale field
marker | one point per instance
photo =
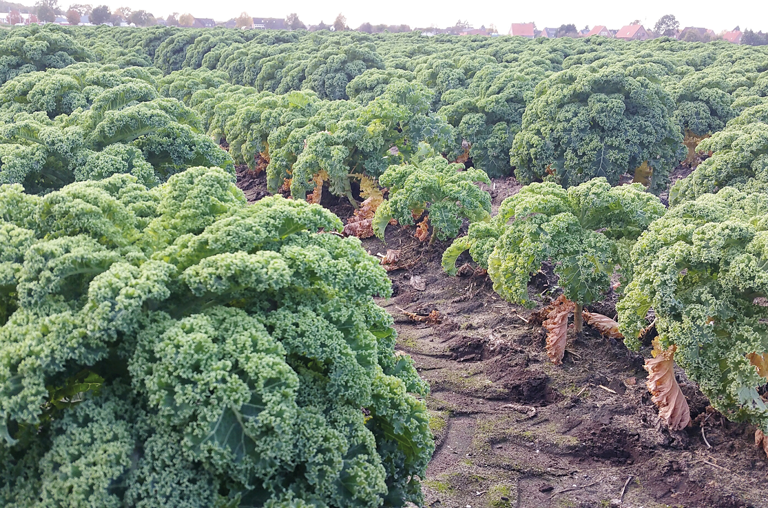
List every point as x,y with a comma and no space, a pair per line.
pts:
244,268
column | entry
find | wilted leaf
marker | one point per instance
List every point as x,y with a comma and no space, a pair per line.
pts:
360,229
465,270
361,222
673,408
317,195
557,328
422,229
643,174
691,141
370,192
418,283
761,440
433,318
761,362
603,324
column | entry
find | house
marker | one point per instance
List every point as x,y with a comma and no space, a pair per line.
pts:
85,20
600,30
734,36
549,33
522,30
698,33
476,31
269,23
203,23
61,20
632,33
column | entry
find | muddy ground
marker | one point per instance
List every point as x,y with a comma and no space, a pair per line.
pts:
514,430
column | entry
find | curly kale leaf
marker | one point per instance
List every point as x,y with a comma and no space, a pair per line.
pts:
444,190
174,346
583,231
702,269
586,122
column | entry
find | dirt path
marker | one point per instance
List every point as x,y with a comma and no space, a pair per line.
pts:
513,430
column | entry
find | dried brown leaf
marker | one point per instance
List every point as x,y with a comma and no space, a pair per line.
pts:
390,260
422,229
360,229
761,440
317,195
557,328
603,324
761,362
361,222
433,318
418,283
673,408
465,270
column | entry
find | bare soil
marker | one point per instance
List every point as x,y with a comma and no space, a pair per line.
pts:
514,430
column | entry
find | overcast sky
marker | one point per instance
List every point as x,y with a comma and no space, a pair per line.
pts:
442,13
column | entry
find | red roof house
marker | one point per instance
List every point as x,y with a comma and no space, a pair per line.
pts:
522,30
632,33
599,30
733,36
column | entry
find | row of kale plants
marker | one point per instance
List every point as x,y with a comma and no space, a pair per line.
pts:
164,344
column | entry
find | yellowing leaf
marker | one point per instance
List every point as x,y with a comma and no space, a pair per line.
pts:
673,408
643,174
691,141
557,328
422,229
603,324
317,195
761,440
761,362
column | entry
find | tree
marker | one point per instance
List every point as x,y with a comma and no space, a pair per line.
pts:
46,10
100,15
83,9
293,22
142,18
172,19
186,20
322,26
366,28
14,17
635,22
193,368
73,17
667,25
123,12
567,31
244,20
751,38
341,23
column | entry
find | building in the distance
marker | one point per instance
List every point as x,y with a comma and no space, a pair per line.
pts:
734,36
269,23
523,30
632,33
204,23
599,30
548,33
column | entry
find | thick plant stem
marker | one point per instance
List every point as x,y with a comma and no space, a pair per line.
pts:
434,235
578,319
